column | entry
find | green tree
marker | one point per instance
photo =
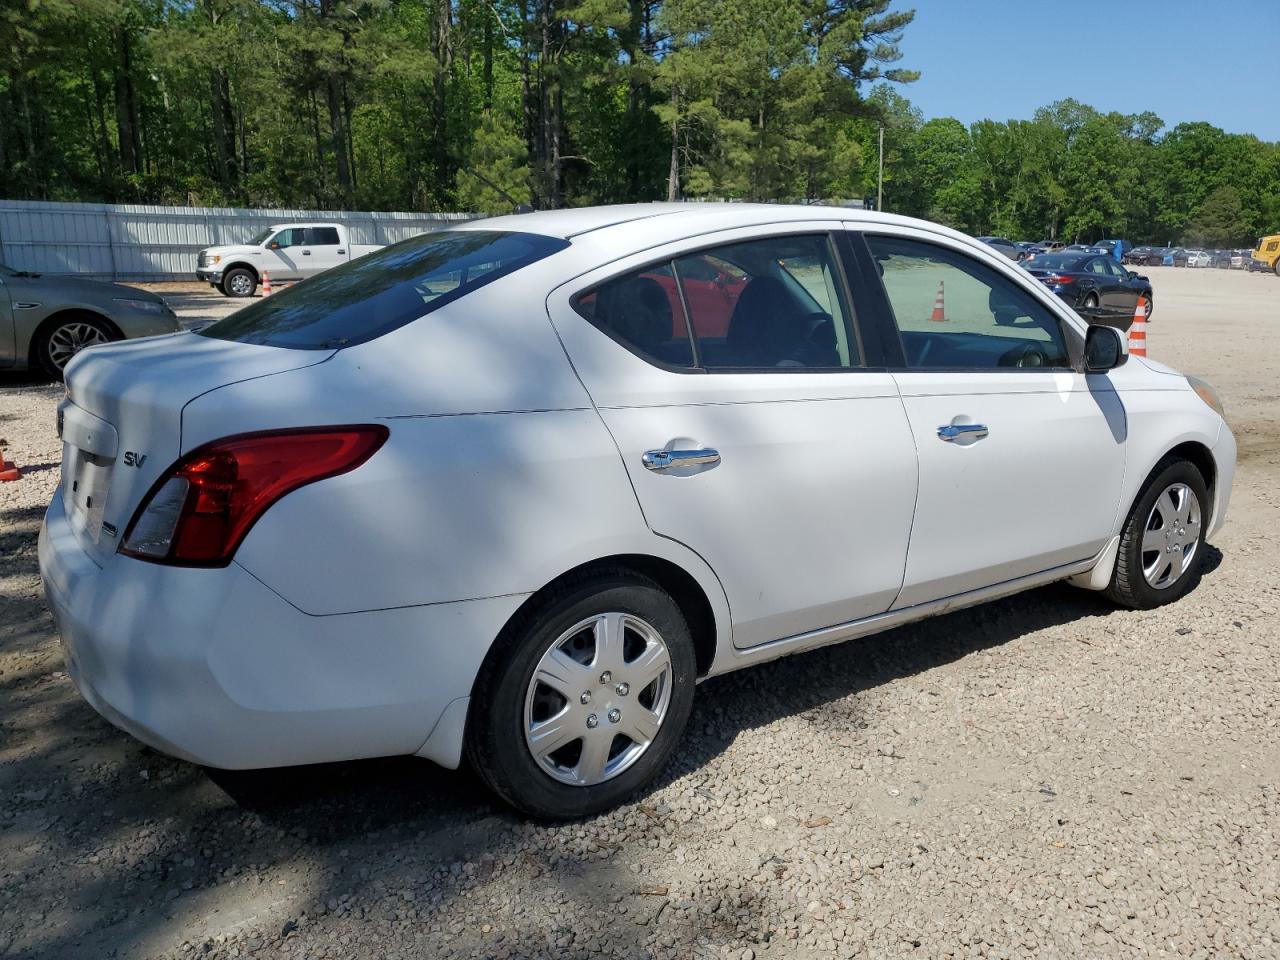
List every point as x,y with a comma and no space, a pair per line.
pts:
1221,221
495,176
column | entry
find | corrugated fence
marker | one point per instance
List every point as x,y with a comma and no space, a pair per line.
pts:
134,242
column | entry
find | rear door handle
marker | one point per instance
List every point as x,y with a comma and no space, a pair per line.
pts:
669,459
342,251
951,432
306,253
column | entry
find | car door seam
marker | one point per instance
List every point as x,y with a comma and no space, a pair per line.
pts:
915,504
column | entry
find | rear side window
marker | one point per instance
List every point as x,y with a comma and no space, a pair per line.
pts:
323,236
772,304
361,300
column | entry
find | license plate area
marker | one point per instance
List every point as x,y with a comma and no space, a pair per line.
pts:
86,478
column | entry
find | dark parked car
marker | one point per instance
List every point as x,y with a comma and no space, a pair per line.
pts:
1221,259
1098,288
1139,256
1007,247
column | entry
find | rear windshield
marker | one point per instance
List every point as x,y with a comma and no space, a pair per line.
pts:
1058,261
361,300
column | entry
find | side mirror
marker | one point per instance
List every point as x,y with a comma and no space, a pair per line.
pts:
1104,349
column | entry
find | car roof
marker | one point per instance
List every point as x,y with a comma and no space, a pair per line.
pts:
683,218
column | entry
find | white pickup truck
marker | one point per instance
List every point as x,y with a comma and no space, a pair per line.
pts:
288,251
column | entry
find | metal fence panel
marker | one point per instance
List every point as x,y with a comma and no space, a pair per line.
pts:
141,242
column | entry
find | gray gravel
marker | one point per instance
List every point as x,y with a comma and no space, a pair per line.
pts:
1041,777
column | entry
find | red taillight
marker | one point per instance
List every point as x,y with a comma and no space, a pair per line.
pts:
1059,278
202,508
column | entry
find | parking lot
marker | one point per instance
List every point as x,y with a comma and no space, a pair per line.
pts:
1044,776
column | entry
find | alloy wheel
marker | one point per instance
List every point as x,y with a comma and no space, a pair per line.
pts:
597,698
241,284
1171,537
70,338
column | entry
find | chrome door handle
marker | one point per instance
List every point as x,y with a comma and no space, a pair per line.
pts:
667,459
950,432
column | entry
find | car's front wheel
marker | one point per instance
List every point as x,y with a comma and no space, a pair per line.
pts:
239,282
584,697
1162,543
57,344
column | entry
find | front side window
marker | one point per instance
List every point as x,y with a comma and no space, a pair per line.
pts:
772,304
358,301
953,312
293,237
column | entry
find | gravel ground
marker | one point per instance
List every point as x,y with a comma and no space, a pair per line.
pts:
1041,777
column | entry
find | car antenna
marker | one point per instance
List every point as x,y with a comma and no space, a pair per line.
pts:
516,205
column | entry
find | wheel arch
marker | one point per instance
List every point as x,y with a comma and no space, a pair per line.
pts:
684,588
61,316
1195,452
242,265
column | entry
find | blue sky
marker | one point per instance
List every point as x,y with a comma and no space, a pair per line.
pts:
1183,60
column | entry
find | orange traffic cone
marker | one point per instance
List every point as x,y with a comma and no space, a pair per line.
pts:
8,469
939,314
1138,332
266,284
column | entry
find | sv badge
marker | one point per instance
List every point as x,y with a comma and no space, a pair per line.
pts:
132,459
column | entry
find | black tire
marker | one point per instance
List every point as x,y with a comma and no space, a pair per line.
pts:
49,349
1151,304
221,289
1276,267
239,282
1129,586
496,746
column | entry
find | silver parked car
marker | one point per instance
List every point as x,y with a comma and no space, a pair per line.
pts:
45,321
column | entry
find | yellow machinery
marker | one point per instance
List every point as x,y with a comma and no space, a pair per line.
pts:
1268,252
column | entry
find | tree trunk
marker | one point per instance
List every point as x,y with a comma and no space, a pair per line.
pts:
673,172
224,136
126,106
442,48
488,60
338,134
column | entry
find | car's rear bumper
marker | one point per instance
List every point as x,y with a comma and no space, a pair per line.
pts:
214,667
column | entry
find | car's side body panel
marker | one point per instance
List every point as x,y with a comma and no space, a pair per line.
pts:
812,464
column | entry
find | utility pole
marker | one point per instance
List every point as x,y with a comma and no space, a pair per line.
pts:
880,175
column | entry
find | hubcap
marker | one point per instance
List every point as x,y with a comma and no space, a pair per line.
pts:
70,338
240,284
1171,537
624,664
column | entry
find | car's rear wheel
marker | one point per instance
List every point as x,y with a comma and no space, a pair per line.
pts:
239,282
584,697
63,339
1090,302
1162,544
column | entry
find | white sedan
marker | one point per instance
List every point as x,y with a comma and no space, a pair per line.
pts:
512,489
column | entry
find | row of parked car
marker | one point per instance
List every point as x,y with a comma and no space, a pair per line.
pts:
1183,257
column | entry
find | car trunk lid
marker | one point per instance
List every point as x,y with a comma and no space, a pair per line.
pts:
121,421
